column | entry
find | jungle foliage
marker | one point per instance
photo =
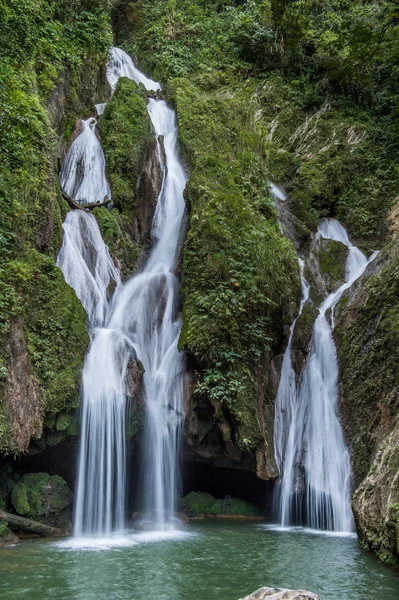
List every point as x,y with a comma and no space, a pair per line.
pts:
302,93
43,43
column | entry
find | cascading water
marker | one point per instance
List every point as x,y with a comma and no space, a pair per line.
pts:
286,401
147,310
311,453
142,320
121,65
87,265
83,173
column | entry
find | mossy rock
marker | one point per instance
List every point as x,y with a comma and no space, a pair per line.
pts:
332,257
6,535
117,233
303,335
44,498
125,129
201,503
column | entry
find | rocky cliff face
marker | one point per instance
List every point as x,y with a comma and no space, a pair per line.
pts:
367,333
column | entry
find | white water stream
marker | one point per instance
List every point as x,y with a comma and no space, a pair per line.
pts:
314,463
83,173
142,320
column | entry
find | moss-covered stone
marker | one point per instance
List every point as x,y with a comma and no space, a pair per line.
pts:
6,535
236,261
303,335
202,504
332,257
43,498
376,502
116,230
367,333
125,129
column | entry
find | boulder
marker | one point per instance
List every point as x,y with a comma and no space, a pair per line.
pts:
44,498
280,594
6,535
197,504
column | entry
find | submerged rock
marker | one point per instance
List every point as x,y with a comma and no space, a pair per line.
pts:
6,535
281,594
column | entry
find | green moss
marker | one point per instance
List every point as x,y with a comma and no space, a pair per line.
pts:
368,342
135,422
41,497
116,230
19,499
43,45
332,262
3,528
200,503
236,261
64,420
125,129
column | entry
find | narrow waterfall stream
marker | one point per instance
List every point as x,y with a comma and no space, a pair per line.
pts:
142,320
311,452
83,173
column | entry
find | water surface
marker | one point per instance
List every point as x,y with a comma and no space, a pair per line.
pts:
221,560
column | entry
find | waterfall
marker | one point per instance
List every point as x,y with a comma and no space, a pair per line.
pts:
287,392
86,264
83,173
142,320
121,65
314,463
147,310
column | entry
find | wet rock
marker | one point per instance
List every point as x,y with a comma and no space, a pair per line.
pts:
332,256
303,335
376,502
24,405
6,535
280,594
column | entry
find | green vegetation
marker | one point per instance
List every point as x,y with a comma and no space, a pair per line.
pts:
125,129
302,93
368,336
325,78
116,230
43,43
42,497
332,257
237,265
197,504
126,136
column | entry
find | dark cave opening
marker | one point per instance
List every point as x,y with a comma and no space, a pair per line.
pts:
222,482
196,476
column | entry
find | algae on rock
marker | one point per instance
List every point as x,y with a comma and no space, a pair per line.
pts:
43,498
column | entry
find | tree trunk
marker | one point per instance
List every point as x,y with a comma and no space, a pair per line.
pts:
22,524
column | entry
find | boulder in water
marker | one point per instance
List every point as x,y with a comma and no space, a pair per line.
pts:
267,593
6,535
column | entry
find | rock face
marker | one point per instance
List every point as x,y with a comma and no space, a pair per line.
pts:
376,502
280,594
367,335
